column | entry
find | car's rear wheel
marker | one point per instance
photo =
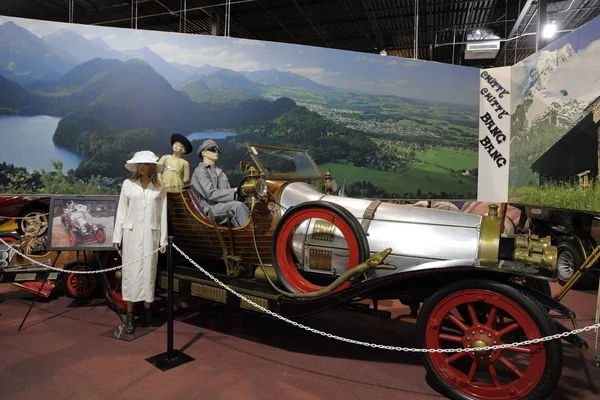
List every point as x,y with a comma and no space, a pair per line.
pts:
77,285
333,218
498,314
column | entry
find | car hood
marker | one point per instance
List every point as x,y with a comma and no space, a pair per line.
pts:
299,192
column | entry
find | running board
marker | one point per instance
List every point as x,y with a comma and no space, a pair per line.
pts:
192,282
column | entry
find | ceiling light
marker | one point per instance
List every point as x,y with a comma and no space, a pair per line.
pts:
549,30
383,52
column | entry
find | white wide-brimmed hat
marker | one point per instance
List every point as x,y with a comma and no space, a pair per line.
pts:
143,157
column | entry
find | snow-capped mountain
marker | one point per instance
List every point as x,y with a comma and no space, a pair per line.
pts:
557,87
546,64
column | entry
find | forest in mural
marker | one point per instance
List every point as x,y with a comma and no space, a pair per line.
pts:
554,143
76,101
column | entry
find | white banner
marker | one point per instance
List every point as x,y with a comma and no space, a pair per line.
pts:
494,134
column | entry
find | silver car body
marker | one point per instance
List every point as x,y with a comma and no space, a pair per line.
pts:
420,238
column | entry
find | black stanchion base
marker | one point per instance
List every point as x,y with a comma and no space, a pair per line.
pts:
164,362
119,332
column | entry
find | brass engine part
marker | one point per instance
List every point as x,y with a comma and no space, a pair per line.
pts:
323,230
261,301
259,275
208,292
489,240
532,249
320,260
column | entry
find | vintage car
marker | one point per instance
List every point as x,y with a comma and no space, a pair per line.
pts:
30,212
29,276
306,249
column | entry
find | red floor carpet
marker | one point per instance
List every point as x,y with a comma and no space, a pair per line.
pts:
60,354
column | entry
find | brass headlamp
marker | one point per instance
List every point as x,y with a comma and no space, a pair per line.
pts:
253,185
526,248
329,185
532,249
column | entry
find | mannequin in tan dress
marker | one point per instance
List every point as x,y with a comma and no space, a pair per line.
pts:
177,170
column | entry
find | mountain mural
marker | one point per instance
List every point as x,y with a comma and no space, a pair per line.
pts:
274,77
93,106
222,86
552,100
86,49
25,58
79,47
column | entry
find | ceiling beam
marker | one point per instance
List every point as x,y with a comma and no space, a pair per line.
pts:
515,28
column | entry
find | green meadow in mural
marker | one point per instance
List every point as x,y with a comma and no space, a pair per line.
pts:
76,102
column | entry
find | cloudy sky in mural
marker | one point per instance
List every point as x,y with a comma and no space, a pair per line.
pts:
343,69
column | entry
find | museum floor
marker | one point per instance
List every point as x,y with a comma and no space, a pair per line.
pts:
61,354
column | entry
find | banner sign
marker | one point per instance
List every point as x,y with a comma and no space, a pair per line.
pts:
494,134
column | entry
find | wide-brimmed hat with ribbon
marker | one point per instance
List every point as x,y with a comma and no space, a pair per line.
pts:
144,157
178,137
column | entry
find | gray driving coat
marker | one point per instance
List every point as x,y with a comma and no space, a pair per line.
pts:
211,187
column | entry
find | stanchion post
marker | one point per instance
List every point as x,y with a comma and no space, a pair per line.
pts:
170,274
172,358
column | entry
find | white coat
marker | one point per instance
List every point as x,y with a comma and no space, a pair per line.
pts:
141,227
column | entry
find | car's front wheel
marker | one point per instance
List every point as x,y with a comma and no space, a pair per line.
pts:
498,314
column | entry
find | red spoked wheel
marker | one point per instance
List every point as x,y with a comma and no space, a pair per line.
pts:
71,239
101,235
497,314
287,267
10,238
79,286
112,291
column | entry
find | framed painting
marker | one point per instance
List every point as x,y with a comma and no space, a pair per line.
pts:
82,222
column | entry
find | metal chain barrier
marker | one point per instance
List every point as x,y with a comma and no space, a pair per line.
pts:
78,272
380,346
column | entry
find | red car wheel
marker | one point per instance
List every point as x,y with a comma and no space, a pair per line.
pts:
281,248
80,286
498,314
101,236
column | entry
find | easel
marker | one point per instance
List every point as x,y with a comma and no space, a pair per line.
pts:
38,292
107,289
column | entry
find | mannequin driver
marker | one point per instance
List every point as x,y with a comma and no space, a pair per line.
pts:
211,187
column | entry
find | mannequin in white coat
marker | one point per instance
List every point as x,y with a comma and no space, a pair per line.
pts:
141,227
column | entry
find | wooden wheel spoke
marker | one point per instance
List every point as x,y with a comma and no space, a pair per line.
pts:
494,375
473,315
455,357
458,322
508,329
472,371
491,318
518,349
510,366
451,338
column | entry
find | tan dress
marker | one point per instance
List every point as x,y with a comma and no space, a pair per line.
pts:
172,176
